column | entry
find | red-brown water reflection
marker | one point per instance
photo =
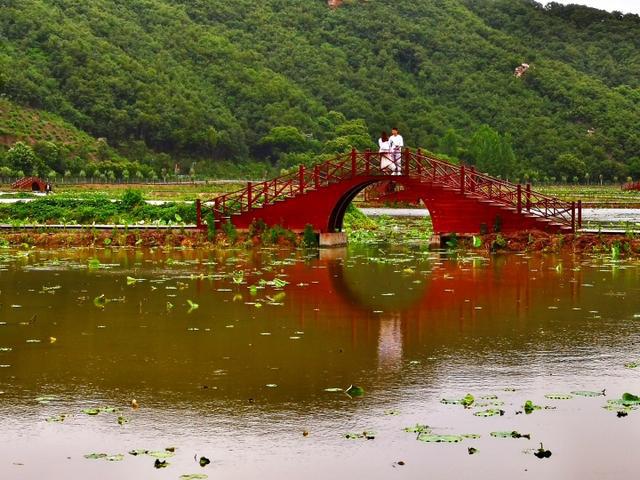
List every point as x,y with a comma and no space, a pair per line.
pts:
240,382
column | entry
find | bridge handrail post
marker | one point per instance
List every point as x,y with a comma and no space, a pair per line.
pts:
249,195
519,196
462,175
367,160
198,213
316,177
265,193
528,196
407,159
573,217
472,180
579,213
419,162
354,159
301,179
216,208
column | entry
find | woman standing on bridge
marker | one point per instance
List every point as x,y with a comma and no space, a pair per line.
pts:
386,164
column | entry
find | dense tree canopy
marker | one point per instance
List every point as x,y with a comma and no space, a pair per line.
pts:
283,81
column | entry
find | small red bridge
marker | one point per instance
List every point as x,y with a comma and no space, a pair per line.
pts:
459,199
33,184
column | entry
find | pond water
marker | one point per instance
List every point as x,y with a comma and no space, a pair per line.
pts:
235,356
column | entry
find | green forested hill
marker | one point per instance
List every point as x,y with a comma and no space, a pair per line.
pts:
283,80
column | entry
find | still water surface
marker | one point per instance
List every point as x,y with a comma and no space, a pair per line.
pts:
240,378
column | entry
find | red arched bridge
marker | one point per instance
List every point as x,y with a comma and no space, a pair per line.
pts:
459,199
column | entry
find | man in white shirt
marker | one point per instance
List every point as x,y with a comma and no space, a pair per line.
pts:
396,143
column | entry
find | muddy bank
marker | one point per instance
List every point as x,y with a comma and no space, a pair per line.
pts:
536,241
146,238
533,241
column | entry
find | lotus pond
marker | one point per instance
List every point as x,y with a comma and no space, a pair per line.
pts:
379,361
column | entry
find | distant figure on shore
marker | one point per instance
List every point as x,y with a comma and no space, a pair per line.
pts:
386,164
396,144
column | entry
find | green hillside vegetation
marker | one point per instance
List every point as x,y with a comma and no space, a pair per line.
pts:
20,123
218,84
34,142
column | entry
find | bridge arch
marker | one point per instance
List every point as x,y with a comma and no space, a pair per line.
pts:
409,194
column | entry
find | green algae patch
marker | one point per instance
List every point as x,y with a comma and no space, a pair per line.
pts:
558,396
512,434
118,457
465,401
587,393
529,407
367,435
491,412
434,438
418,429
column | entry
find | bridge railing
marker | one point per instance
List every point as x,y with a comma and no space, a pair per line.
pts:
502,192
428,168
260,194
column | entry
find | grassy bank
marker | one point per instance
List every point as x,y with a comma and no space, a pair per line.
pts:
130,209
609,246
594,196
151,191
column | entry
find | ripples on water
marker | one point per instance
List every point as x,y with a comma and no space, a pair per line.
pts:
242,376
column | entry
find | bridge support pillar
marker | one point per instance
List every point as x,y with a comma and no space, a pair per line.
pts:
579,213
332,239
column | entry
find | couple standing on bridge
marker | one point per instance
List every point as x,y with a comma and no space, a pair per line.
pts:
391,152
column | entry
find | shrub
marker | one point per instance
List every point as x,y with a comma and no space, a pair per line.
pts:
498,243
230,231
211,226
309,237
273,235
131,199
257,227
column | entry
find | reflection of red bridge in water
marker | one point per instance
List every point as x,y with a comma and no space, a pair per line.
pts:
509,282
488,298
459,199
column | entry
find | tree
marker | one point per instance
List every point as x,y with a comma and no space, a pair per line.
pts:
283,139
49,155
610,170
506,159
22,158
569,165
349,134
449,143
486,150
634,168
